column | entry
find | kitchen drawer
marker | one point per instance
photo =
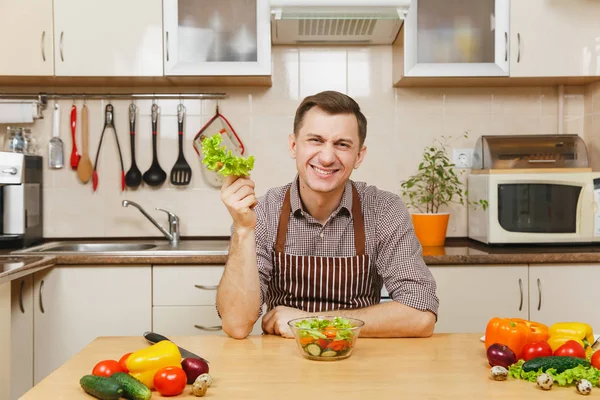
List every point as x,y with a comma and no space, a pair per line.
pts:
193,285
190,320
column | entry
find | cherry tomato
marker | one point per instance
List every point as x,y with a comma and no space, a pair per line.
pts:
123,362
541,348
107,368
595,361
570,348
170,381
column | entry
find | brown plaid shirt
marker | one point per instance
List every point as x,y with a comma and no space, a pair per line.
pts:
391,243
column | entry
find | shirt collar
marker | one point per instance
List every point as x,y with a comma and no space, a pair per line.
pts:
344,207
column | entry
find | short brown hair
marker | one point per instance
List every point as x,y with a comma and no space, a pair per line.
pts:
333,103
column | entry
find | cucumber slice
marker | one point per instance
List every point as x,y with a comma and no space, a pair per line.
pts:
313,349
329,353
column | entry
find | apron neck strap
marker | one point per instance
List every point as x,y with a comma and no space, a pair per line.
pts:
359,223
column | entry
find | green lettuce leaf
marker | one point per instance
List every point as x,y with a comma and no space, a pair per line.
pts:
565,378
217,158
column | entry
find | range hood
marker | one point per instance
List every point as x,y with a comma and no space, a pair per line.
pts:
336,21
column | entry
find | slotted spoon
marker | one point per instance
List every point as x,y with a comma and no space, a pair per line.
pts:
181,174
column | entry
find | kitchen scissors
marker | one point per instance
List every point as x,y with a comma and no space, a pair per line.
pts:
108,123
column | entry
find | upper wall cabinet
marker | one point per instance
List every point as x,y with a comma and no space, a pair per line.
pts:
26,38
555,38
464,38
106,38
217,37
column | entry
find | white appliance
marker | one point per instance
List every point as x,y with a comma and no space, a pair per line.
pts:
539,189
337,21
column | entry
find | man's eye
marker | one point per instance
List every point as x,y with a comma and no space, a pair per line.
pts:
313,140
344,145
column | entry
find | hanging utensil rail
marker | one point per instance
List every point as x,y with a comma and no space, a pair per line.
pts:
42,98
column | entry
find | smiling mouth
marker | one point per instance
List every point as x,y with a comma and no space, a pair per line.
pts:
323,172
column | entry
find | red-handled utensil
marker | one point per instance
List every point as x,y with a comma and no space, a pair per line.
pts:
75,157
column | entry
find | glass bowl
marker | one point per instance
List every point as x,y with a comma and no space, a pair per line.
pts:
326,338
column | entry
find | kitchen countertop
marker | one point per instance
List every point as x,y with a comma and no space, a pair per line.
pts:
445,366
457,251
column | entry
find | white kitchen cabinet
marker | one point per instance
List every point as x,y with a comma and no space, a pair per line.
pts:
108,38
555,38
467,39
564,292
217,37
26,38
21,341
75,304
470,295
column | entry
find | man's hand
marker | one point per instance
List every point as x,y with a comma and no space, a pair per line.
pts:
275,322
238,196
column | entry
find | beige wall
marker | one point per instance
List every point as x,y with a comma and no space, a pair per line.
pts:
401,122
592,123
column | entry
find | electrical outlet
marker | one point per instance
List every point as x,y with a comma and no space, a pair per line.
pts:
462,158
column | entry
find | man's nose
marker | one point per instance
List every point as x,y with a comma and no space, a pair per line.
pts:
327,155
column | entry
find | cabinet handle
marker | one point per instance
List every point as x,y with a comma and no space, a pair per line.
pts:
209,328
539,283
167,46
42,44
521,290
61,47
518,47
505,46
41,295
21,298
206,287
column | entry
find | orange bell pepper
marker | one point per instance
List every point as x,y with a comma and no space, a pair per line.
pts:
514,333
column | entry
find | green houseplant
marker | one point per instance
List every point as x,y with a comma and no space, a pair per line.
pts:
434,186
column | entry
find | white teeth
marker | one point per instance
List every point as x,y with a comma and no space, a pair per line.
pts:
322,172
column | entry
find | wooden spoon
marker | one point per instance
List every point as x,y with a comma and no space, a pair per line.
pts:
84,168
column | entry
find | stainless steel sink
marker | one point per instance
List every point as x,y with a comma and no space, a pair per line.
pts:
96,247
130,248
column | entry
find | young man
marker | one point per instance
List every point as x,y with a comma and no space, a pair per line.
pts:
324,244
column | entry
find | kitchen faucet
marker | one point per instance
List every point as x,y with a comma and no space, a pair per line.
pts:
173,234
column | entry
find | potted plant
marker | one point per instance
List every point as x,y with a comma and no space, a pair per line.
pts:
434,186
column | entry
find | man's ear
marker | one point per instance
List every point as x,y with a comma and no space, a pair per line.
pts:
361,156
292,145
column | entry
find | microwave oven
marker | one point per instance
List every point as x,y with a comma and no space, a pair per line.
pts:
536,207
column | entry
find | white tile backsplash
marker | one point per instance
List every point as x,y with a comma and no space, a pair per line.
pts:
401,122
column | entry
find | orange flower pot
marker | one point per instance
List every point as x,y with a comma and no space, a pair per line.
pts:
431,228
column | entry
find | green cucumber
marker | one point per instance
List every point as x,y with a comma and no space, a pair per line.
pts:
132,388
328,353
101,387
313,349
560,363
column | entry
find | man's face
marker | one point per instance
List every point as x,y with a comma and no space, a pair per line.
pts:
326,150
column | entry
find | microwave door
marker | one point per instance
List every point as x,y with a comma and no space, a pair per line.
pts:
538,207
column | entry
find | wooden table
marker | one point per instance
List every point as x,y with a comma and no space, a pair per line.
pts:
445,366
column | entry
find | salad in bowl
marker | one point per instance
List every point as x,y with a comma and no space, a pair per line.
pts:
326,338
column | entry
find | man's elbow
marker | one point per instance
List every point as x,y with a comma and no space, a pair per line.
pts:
426,324
237,332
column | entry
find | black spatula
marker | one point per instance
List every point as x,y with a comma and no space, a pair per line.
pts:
181,174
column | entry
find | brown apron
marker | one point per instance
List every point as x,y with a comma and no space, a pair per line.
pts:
316,284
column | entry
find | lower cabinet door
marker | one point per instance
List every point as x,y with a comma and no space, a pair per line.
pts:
191,320
563,293
470,295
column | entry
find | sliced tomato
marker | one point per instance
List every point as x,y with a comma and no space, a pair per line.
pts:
338,345
322,343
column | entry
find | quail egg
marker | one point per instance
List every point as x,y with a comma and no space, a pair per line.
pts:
499,373
199,388
544,381
584,386
205,377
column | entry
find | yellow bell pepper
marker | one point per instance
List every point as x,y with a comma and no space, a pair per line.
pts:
144,363
562,332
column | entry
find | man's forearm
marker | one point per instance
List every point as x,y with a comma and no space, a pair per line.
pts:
238,295
391,319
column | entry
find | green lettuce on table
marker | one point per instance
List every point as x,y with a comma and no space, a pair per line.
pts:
565,378
217,158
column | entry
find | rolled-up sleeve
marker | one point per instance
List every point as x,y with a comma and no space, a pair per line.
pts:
399,259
